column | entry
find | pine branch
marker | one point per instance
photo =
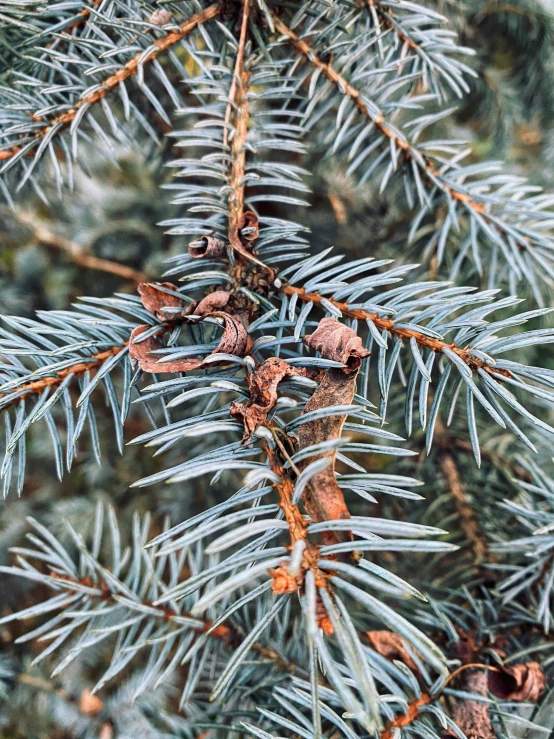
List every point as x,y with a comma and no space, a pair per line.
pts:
500,209
78,254
238,103
36,387
387,324
410,151
57,124
103,590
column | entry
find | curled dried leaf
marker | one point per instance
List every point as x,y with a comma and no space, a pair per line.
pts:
208,247
212,302
140,354
340,343
523,682
155,298
322,497
248,228
391,646
263,394
235,340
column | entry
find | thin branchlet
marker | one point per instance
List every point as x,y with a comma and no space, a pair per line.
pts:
112,82
387,324
82,365
424,162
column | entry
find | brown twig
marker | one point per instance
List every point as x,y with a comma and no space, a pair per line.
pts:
387,324
414,710
238,102
238,70
80,257
468,520
111,83
238,162
94,362
283,580
426,164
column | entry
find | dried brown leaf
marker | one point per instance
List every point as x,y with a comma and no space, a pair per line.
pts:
249,220
140,353
334,340
263,394
391,646
155,300
235,340
523,682
322,497
209,248
212,302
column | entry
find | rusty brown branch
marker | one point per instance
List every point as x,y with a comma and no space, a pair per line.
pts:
93,363
111,83
238,160
427,165
414,710
238,70
387,324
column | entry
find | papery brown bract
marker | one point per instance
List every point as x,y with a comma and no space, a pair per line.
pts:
334,340
522,682
263,384
235,340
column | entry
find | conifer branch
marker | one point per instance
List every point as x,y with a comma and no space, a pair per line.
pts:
237,112
386,17
387,324
238,102
238,73
224,632
429,170
111,83
82,365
